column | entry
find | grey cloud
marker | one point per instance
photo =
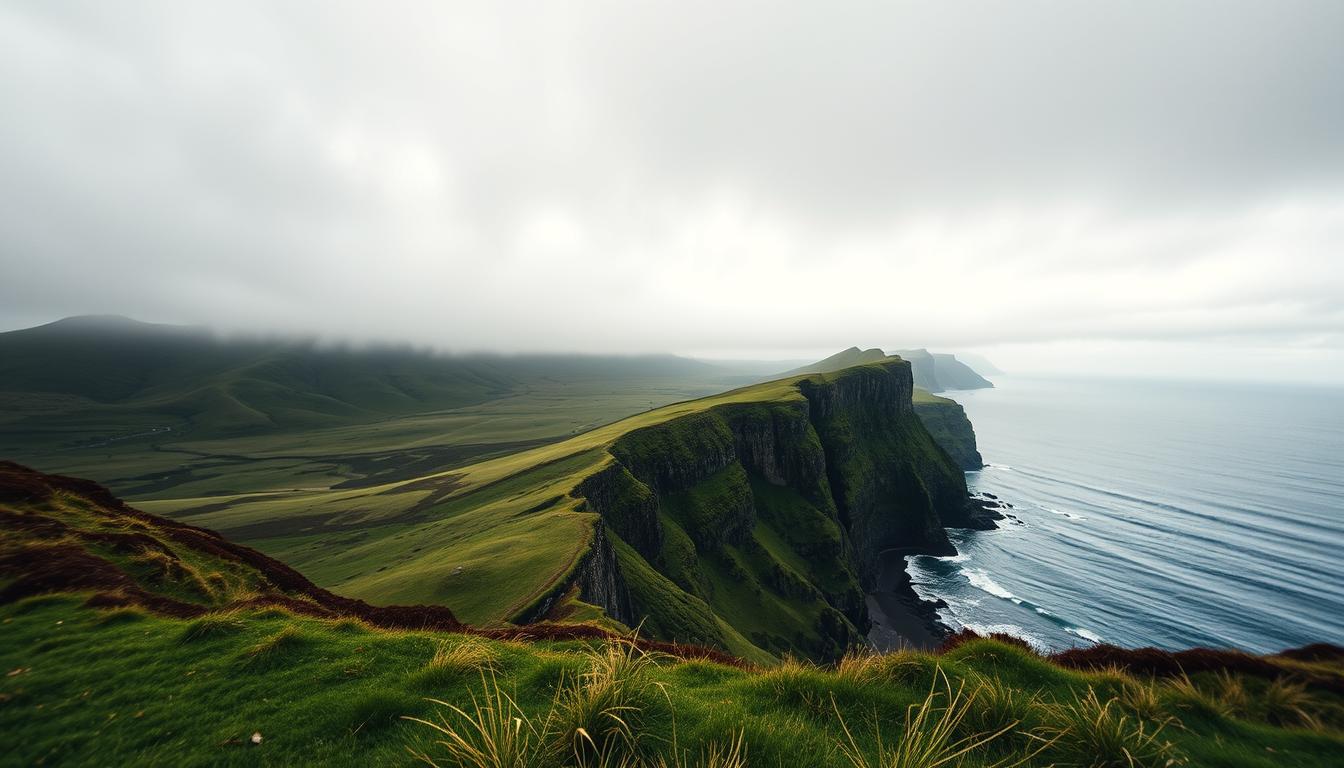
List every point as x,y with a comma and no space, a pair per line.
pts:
647,176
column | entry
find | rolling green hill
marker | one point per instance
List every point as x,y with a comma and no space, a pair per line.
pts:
166,411
188,380
134,640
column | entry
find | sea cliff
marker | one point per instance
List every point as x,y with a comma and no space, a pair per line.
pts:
946,421
764,522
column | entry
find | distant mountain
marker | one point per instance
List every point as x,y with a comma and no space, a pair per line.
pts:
81,368
979,363
939,372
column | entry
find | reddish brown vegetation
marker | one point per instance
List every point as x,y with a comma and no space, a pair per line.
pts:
1160,663
966,635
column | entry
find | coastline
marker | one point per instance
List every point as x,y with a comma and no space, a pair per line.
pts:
901,618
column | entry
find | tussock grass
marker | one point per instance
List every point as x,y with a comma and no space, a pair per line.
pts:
996,707
929,736
1143,698
212,625
167,568
452,659
350,626
1109,681
860,666
1098,734
801,684
597,718
276,648
494,732
594,720
376,710
1232,696
272,612
729,754
906,667
1287,702
1186,695
126,615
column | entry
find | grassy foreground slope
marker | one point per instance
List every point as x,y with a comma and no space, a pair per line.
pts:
134,640
749,521
87,686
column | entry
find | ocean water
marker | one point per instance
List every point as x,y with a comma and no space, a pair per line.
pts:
1170,514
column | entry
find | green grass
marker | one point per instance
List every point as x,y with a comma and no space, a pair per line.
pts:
94,687
495,538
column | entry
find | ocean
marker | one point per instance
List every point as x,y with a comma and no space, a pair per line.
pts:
1170,514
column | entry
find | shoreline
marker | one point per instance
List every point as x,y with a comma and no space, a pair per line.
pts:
901,618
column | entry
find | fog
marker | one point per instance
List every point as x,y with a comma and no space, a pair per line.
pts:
1151,187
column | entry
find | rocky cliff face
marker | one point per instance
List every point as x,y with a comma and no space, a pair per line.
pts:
946,421
601,582
773,514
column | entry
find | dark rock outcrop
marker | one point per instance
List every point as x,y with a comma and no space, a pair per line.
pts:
628,505
600,580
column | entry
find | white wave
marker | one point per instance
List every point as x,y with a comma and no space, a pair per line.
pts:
1008,629
1069,515
1086,634
981,581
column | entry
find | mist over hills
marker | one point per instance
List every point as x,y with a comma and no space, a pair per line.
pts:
75,389
88,364
80,369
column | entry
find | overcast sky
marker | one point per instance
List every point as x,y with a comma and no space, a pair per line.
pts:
1059,185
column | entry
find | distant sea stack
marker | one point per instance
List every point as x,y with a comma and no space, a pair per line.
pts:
939,372
946,421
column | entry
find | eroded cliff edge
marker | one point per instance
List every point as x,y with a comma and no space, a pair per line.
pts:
946,421
758,526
